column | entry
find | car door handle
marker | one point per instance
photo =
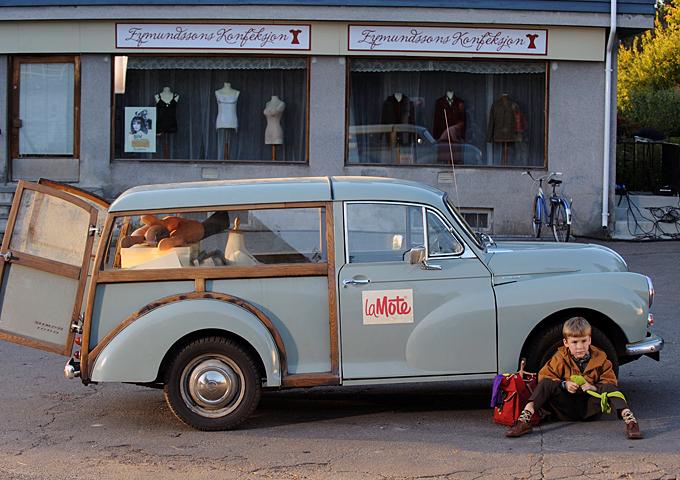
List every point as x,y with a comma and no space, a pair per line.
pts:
354,281
7,256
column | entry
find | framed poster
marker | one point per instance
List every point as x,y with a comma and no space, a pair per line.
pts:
140,125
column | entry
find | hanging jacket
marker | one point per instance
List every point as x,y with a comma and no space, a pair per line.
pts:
503,122
454,112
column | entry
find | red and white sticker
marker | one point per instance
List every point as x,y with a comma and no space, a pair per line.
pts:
384,307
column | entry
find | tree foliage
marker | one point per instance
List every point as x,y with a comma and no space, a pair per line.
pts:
649,75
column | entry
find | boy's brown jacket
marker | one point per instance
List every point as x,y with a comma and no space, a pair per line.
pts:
562,366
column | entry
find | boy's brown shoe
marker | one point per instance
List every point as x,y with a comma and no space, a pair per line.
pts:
518,429
633,430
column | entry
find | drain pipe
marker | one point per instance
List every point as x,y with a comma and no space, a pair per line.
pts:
608,115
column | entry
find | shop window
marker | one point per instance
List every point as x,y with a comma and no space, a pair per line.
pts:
218,239
44,107
212,109
434,112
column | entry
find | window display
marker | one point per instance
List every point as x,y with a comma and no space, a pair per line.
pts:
435,112
220,115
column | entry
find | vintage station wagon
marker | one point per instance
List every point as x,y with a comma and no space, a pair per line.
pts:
217,290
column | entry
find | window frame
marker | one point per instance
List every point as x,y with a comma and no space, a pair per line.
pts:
113,158
465,253
14,110
546,109
115,275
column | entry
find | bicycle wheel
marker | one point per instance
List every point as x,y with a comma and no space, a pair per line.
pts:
537,221
558,221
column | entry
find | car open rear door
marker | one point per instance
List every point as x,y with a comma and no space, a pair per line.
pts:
44,260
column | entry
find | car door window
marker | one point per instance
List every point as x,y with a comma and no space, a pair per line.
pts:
440,240
381,232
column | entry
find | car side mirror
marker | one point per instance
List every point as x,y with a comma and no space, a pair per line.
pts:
416,255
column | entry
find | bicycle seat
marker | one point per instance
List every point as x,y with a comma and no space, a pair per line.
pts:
553,181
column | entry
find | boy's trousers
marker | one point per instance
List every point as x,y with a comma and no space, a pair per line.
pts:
550,395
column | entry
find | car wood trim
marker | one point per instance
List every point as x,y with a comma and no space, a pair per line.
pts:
11,220
78,192
51,266
199,285
87,318
213,273
46,265
266,322
332,292
310,380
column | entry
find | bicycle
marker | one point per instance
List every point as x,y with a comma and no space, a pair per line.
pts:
559,215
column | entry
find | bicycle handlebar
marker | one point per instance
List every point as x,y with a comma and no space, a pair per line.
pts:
535,179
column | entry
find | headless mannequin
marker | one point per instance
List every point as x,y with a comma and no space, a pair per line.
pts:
235,251
167,95
166,114
273,134
226,112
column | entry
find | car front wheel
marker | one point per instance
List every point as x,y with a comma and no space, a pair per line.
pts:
550,340
212,384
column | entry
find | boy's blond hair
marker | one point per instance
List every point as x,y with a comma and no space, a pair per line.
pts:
576,327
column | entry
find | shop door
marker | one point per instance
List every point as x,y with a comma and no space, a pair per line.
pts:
44,261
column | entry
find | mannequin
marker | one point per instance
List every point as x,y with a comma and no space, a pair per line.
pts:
398,109
273,134
449,110
235,251
226,107
166,114
503,124
226,113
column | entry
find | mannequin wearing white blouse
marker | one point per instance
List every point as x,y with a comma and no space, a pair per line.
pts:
273,110
226,107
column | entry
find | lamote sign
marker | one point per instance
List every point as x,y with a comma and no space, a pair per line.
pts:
213,36
387,306
447,40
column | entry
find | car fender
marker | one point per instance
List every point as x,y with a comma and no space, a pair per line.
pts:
136,352
524,303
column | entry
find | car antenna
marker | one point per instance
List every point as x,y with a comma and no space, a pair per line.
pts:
453,168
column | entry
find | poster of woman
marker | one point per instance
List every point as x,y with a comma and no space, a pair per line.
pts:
140,125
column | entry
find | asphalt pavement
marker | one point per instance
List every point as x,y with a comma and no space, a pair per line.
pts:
52,428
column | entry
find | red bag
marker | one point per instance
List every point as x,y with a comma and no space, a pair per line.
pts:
511,395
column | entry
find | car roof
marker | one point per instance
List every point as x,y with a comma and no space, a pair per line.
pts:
271,190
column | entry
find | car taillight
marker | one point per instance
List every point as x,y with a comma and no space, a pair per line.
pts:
650,320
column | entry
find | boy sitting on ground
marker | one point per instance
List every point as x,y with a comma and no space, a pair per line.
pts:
564,382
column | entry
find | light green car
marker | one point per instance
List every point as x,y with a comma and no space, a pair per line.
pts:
217,290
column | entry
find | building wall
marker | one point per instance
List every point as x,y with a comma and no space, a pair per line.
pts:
4,127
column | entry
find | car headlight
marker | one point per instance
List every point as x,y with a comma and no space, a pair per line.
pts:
650,289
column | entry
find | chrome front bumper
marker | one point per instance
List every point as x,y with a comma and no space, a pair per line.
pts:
649,346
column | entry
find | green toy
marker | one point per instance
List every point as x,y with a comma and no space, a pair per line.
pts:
604,396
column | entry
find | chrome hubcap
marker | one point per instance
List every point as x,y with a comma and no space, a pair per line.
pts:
212,385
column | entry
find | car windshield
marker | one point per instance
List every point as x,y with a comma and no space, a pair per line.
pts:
461,221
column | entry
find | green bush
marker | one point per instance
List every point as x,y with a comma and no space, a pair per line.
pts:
649,75
657,109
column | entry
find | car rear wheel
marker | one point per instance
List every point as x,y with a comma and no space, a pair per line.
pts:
213,384
550,340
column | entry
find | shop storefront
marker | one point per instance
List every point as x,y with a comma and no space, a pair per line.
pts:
464,98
